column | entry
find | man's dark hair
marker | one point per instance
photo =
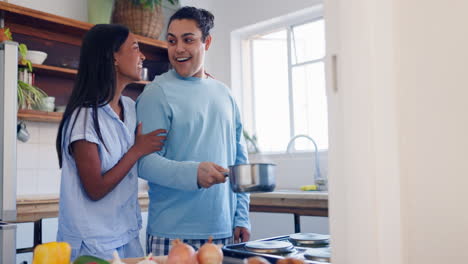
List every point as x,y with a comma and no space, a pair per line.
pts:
204,18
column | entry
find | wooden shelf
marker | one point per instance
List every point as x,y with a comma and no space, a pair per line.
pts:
55,71
39,116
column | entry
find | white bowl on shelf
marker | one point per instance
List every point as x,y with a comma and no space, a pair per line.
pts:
36,57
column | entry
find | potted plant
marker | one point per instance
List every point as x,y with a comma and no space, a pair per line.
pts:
142,17
251,142
29,96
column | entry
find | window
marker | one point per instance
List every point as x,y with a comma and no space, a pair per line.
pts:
284,86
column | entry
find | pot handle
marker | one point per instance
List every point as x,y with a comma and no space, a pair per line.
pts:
226,174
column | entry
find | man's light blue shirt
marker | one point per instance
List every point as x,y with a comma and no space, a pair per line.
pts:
203,124
115,219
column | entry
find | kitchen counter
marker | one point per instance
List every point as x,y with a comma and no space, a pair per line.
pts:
311,203
34,207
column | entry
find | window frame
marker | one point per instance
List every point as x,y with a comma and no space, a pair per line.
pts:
241,64
290,32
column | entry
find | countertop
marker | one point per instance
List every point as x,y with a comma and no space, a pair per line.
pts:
311,203
34,207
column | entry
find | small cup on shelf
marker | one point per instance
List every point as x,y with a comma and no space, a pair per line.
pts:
48,104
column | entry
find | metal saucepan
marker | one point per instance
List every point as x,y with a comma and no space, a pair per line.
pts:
254,177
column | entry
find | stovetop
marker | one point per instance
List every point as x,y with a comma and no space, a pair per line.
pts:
239,251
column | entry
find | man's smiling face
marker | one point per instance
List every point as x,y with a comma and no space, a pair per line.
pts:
186,48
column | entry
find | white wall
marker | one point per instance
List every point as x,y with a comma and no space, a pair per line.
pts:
76,9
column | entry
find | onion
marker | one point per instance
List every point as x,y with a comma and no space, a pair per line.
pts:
256,260
210,253
181,253
290,261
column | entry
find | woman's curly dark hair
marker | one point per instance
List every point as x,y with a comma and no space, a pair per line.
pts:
204,18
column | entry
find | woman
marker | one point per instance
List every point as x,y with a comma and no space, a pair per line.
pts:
98,149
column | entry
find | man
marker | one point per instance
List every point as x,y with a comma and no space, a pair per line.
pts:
189,196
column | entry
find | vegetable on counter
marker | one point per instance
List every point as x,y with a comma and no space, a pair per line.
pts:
52,253
181,253
290,261
256,260
210,253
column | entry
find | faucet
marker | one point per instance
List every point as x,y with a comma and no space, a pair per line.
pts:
319,180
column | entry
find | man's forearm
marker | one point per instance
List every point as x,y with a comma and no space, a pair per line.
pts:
241,217
174,174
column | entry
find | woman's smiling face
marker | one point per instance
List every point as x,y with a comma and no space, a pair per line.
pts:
129,59
186,48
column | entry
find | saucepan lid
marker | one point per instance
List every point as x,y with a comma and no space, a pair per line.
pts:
309,238
269,246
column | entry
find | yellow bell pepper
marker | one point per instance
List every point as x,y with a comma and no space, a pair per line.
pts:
52,253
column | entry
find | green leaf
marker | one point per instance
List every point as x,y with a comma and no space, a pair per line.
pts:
20,95
7,33
29,64
23,50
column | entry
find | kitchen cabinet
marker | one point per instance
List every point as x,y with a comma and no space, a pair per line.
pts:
61,38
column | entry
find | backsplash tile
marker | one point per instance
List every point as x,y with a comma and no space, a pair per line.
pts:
48,157
48,181
37,163
27,155
48,133
26,181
